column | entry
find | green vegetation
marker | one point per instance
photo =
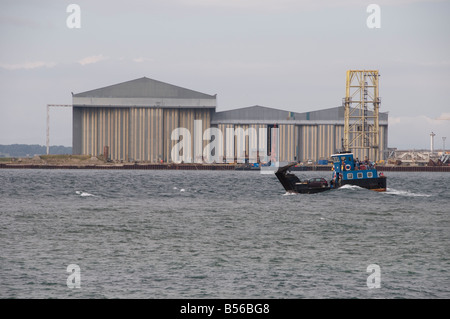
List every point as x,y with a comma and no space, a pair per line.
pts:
64,157
25,150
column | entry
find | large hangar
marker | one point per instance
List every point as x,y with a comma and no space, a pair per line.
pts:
134,121
308,136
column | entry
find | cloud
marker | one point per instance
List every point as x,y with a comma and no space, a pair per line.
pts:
418,120
92,59
444,117
85,61
141,59
305,5
28,65
410,132
18,21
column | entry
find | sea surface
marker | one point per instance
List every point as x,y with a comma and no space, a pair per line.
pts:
220,234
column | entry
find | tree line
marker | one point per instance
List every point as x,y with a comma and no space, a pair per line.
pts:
23,150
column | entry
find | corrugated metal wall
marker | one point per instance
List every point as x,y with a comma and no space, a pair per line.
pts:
320,141
258,145
326,138
196,121
228,143
245,137
144,134
104,127
339,135
145,131
288,143
307,144
140,134
170,122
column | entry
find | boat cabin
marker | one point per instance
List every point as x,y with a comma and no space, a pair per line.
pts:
348,168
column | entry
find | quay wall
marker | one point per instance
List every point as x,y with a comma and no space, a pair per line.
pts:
207,167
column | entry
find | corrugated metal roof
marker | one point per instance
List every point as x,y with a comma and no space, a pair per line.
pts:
266,115
144,88
256,112
144,92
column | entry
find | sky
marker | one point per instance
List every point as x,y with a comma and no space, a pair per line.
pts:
286,54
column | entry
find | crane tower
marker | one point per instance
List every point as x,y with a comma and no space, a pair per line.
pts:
361,114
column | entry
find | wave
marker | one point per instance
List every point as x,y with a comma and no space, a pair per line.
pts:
391,191
348,186
83,194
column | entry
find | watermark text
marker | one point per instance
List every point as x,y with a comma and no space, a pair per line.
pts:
74,19
374,279
374,19
74,279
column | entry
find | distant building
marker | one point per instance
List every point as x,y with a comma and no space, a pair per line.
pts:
135,120
304,136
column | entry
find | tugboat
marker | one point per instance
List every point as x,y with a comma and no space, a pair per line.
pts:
346,171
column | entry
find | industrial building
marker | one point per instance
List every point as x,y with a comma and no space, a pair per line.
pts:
303,137
134,121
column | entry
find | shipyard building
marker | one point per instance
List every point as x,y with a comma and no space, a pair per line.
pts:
134,121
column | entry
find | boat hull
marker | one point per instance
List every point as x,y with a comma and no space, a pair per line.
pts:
305,189
292,183
376,184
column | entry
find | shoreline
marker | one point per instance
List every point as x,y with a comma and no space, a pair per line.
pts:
235,167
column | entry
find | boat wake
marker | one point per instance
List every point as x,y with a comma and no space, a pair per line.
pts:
289,193
352,187
391,191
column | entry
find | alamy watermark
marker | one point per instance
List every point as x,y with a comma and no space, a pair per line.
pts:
239,146
74,279
73,21
374,19
374,279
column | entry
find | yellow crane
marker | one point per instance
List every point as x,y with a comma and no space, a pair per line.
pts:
361,114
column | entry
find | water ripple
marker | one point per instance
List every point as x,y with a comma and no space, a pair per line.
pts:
213,234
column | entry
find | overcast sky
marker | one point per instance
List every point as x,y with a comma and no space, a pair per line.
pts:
286,54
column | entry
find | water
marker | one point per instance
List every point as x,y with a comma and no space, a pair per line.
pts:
220,234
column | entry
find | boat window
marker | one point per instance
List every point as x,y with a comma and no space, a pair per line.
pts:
369,174
350,176
360,175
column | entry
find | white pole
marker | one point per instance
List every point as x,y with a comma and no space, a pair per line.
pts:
432,135
48,122
443,145
48,129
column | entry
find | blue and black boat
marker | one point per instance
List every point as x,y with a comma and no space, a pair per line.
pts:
346,171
